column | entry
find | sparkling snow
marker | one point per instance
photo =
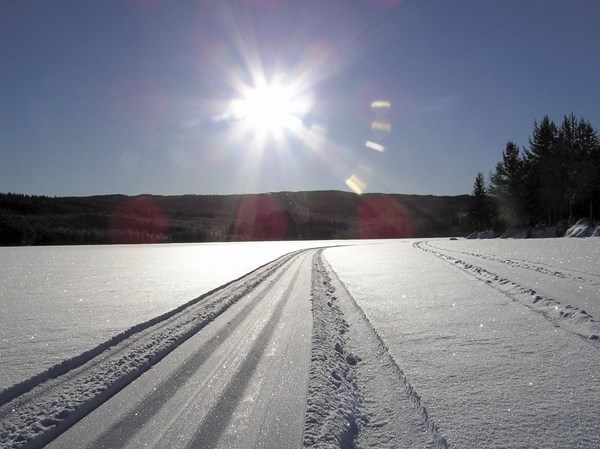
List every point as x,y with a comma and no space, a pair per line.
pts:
60,301
491,371
491,336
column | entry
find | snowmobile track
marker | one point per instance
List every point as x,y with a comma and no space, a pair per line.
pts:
565,316
541,268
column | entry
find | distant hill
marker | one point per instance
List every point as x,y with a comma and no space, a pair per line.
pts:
42,220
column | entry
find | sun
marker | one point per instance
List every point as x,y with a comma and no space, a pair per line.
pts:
270,108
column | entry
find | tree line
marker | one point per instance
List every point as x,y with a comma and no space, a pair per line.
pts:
109,219
553,181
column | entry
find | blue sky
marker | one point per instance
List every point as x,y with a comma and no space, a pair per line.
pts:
132,96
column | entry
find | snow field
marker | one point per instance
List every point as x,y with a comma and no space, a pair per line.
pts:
439,344
565,270
574,290
240,382
490,371
58,302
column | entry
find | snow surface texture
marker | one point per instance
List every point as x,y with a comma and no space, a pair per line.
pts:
240,382
352,400
358,396
58,302
333,397
559,312
439,344
491,370
563,272
48,404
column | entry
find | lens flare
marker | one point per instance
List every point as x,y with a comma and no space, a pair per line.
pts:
138,220
277,115
356,184
381,128
384,217
380,105
261,218
374,146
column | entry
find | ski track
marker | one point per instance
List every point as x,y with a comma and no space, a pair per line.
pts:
538,267
36,411
211,429
142,413
565,316
358,395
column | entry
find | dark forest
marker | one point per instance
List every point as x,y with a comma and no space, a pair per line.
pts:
120,219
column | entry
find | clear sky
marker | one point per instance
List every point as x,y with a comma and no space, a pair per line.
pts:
168,97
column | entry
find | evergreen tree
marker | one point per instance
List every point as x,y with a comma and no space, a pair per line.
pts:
578,155
480,212
567,157
586,167
545,174
508,188
557,177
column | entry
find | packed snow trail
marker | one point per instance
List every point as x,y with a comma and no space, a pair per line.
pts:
51,406
58,302
241,382
248,365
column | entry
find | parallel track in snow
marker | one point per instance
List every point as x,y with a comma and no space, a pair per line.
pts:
557,310
538,267
367,400
210,430
247,365
45,406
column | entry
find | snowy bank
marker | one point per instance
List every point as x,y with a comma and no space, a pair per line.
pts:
582,228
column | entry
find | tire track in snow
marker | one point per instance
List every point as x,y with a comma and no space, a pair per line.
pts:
538,267
567,317
358,394
51,405
120,342
211,429
124,431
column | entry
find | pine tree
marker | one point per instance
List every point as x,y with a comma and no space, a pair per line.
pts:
507,186
587,166
568,151
480,212
558,176
545,176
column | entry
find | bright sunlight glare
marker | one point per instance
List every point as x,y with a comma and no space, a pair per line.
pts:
270,108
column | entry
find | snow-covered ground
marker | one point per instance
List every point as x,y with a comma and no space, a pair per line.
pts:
240,382
57,302
467,323
436,344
